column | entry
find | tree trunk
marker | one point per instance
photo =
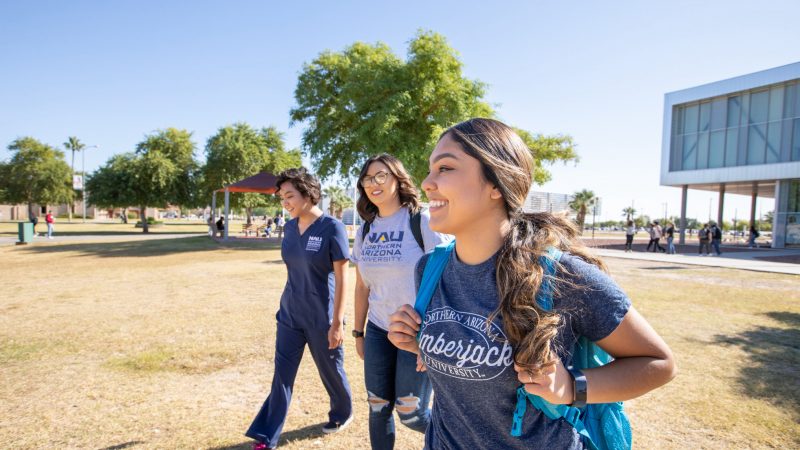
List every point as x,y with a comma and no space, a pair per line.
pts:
249,213
30,217
143,218
125,215
581,218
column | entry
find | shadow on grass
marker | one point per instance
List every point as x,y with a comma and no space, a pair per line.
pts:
157,247
772,369
123,445
303,434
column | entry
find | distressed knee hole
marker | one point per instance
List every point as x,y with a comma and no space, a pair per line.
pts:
376,404
407,405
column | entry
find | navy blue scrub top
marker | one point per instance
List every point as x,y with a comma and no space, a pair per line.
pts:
307,300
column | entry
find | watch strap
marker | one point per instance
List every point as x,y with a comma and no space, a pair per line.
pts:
579,387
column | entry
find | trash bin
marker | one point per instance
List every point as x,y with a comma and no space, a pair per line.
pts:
25,233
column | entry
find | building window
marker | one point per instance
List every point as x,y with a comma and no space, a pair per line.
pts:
716,150
747,128
796,141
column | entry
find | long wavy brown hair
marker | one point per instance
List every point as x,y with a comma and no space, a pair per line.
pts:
409,196
507,164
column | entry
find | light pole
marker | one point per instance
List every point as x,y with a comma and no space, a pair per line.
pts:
83,175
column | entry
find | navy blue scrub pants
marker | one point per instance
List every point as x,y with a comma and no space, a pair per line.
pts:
289,346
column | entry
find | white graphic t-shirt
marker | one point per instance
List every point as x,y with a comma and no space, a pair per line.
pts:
386,259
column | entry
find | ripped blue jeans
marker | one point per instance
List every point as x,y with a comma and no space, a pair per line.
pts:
393,384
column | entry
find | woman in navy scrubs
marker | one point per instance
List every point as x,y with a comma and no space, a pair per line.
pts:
315,249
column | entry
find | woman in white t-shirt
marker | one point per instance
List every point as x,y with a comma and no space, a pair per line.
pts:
386,250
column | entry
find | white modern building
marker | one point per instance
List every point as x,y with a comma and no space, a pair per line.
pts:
740,136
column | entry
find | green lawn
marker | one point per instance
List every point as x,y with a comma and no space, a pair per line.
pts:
169,344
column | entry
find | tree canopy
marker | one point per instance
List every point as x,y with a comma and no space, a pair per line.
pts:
581,203
338,200
176,146
365,100
162,171
36,174
238,151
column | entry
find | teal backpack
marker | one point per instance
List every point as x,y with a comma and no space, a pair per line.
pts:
602,426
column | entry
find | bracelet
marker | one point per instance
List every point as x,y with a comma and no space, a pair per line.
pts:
579,387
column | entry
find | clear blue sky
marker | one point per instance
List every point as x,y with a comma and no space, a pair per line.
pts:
111,72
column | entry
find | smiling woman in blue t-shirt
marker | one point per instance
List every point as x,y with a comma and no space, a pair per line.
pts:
484,334
315,249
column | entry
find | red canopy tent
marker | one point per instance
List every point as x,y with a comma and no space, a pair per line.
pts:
262,183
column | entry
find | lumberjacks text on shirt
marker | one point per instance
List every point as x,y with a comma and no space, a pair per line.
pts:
456,344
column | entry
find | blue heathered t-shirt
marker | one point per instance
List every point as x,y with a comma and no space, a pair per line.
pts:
307,300
473,374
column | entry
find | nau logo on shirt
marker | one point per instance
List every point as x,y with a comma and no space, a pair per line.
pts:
456,344
314,244
391,236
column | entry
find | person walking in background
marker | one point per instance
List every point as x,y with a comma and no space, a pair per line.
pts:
703,236
670,233
630,231
395,234
754,234
35,221
280,222
655,237
50,221
221,226
651,231
311,313
715,233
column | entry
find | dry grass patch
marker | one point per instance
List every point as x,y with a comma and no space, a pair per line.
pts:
169,344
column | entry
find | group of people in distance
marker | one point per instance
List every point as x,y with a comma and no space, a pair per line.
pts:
483,334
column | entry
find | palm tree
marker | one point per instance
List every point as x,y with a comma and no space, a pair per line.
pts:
338,200
74,144
581,202
628,212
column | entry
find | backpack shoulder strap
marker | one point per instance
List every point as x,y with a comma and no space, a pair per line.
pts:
415,220
365,231
430,277
548,261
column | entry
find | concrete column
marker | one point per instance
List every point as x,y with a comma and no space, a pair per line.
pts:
227,205
682,225
779,214
753,198
721,204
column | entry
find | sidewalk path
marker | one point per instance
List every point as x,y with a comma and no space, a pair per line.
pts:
744,260
9,240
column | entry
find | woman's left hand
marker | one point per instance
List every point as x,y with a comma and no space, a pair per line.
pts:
552,382
335,335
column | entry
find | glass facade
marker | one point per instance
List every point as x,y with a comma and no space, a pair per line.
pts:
758,126
793,214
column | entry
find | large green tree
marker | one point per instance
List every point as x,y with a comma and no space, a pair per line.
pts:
365,100
144,179
110,185
36,174
177,147
239,151
581,203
